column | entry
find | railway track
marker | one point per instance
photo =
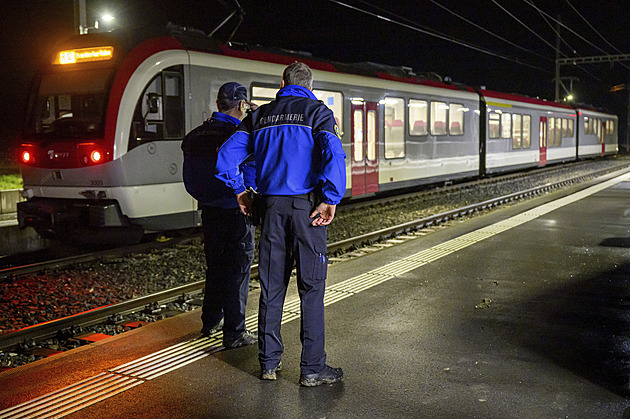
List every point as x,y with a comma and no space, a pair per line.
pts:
186,295
12,266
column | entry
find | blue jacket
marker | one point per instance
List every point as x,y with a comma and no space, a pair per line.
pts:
294,145
200,157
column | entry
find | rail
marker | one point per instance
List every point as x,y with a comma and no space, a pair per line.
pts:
99,315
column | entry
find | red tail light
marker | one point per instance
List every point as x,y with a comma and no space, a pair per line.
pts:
27,154
91,153
96,156
63,154
26,157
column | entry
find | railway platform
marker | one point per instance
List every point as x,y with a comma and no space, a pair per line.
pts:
523,312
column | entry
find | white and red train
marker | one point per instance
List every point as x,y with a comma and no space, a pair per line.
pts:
101,157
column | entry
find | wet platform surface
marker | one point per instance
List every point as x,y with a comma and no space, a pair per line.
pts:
520,313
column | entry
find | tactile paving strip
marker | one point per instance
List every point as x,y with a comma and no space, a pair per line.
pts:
116,380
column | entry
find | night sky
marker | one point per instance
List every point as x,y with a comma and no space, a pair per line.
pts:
514,59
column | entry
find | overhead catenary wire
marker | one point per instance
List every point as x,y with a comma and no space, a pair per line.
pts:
593,28
427,31
525,26
488,31
542,12
530,3
540,37
543,15
564,41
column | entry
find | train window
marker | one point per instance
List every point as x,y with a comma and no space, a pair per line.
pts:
263,95
438,118
565,127
494,125
358,135
159,114
587,125
527,128
599,131
610,127
371,135
558,132
456,119
70,103
555,132
516,131
418,117
334,100
394,114
570,130
506,125
173,106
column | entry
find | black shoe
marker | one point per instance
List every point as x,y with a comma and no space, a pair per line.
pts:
328,375
246,338
207,331
270,374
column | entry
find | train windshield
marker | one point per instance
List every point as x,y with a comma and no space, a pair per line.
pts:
70,105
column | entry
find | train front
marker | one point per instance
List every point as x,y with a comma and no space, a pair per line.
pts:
66,158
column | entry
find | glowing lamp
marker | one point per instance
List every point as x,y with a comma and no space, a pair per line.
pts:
96,156
84,55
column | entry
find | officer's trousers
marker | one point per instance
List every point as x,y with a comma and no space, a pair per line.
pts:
229,248
287,236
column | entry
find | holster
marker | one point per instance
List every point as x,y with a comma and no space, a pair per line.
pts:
258,207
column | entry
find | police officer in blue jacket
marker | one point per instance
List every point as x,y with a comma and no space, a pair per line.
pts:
301,177
228,234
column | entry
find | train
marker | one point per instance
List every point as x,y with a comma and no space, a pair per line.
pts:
100,149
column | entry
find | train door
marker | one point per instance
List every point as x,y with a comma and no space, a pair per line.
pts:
601,136
364,162
542,145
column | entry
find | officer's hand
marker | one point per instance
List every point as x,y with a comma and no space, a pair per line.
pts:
244,203
252,105
326,214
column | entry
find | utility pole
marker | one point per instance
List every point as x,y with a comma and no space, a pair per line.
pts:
80,17
557,58
628,120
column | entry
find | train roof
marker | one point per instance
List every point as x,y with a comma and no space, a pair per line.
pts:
197,40
489,94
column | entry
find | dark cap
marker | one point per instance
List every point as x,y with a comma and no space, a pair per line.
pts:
232,91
